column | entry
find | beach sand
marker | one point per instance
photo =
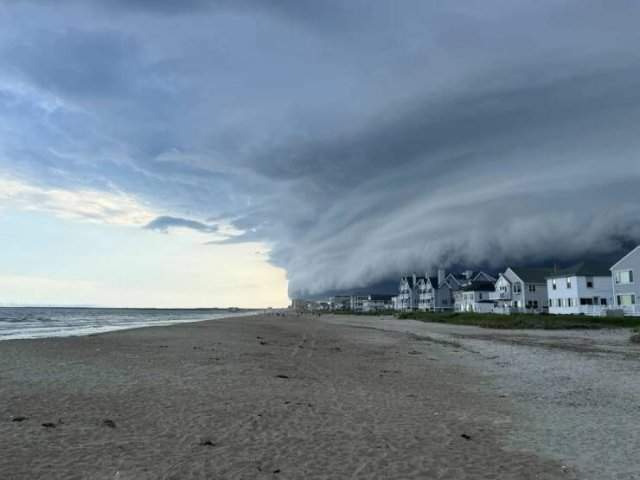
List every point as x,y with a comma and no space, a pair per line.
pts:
287,397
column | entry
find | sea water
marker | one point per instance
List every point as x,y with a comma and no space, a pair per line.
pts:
38,322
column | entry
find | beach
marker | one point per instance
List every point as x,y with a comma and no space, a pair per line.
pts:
271,396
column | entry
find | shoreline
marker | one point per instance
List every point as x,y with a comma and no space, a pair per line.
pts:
90,330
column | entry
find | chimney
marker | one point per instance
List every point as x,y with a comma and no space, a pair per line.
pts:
414,279
441,276
468,274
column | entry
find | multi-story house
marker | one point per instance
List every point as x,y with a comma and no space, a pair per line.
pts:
435,294
476,297
584,288
626,283
522,290
408,293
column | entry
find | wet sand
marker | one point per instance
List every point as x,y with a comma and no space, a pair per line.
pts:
293,397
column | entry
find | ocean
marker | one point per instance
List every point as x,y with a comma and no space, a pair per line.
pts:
39,322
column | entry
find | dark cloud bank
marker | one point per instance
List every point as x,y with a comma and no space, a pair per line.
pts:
358,139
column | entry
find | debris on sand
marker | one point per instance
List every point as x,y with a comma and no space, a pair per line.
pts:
109,423
207,443
49,425
282,376
465,436
19,418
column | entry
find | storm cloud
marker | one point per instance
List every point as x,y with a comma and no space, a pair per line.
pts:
358,140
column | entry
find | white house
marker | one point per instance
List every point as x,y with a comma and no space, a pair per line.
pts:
475,297
408,293
437,294
625,275
377,303
584,288
522,290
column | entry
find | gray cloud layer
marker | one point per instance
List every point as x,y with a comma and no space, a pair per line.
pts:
164,223
358,139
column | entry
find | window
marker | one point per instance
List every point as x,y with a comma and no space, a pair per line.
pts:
628,299
480,295
569,302
569,284
535,304
559,302
586,301
589,282
517,287
624,276
603,301
553,284
532,288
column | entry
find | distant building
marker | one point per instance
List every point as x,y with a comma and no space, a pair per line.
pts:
522,290
584,288
377,303
626,283
340,302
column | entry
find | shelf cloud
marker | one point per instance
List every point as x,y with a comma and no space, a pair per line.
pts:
358,140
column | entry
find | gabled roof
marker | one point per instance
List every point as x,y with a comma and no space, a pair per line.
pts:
480,275
583,269
479,286
635,250
532,275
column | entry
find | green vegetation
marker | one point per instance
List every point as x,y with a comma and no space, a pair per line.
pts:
526,320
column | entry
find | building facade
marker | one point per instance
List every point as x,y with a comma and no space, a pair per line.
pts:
625,276
584,288
522,290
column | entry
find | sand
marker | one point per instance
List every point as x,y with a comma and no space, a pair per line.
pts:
295,397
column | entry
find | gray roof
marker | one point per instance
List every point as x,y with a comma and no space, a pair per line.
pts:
583,269
532,275
479,287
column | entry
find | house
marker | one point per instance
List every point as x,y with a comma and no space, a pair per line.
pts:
340,302
377,303
521,289
476,296
584,288
435,294
408,293
625,275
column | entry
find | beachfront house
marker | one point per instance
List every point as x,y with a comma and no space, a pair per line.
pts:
377,303
408,293
625,275
476,296
522,290
435,294
584,288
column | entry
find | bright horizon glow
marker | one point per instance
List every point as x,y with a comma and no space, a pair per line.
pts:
55,260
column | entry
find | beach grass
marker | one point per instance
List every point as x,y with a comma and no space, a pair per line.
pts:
525,320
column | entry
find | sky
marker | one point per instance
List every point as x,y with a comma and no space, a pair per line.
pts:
240,152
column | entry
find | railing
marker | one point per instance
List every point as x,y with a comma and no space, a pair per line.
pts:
631,310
